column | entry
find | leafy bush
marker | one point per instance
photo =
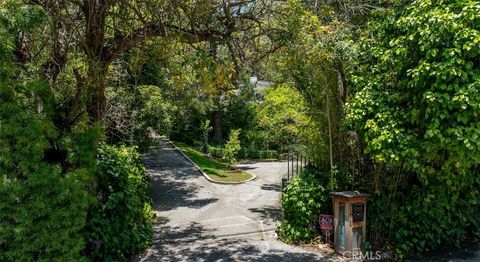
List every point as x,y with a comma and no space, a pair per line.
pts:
302,200
281,118
268,153
43,205
42,214
248,152
416,105
437,216
232,147
215,151
120,225
253,152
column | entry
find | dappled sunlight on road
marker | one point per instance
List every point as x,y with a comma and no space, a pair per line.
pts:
203,221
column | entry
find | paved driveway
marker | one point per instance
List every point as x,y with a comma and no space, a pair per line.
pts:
203,221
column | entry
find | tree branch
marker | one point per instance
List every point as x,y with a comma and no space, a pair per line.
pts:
155,30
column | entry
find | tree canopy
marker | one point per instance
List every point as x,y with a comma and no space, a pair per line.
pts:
382,96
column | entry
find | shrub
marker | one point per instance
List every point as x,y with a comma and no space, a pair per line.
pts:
215,151
281,117
268,154
232,147
302,200
42,215
254,152
428,217
43,205
120,225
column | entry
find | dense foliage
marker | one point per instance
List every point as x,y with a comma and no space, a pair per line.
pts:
133,115
302,201
120,224
42,215
282,118
43,207
382,95
417,105
73,74
311,62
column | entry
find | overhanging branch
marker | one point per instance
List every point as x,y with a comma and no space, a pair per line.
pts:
160,30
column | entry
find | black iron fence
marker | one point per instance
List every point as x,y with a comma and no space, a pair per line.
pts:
296,164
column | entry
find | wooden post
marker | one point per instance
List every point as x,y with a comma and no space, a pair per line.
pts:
301,166
292,164
297,166
288,166
302,163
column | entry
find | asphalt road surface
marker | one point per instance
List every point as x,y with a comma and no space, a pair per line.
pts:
203,221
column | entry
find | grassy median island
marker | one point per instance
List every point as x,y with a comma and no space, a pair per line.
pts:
214,168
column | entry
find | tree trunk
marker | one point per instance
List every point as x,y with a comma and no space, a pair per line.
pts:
95,13
342,83
97,100
217,126
57,62
329,122
22,51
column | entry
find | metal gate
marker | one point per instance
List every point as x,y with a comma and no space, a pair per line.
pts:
296,164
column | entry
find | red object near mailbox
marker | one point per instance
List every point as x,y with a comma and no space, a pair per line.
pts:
326,222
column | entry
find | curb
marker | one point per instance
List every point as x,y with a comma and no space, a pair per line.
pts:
205,174
251,161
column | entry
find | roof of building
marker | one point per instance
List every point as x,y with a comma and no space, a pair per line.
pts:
349,194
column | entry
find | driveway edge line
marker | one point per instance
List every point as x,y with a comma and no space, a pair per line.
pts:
205,174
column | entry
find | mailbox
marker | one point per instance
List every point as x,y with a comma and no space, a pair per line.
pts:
350,227
358,210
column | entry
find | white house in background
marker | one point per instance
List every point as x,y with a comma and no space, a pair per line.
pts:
259,85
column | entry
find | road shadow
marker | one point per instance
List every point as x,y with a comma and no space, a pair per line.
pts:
163,157
169,194
243,167
171,179
268,213
175,184
272,187
195,243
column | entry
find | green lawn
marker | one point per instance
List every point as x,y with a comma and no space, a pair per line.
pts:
214,168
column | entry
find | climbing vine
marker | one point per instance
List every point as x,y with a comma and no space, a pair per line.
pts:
417,105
